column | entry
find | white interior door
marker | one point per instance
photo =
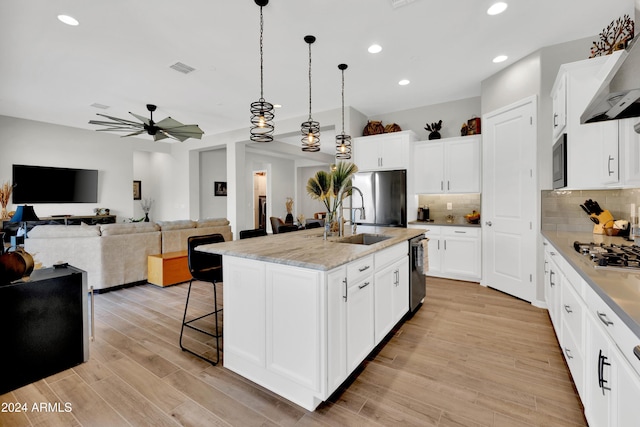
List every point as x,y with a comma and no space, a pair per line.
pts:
509,199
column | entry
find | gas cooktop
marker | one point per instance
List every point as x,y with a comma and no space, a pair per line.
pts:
625,257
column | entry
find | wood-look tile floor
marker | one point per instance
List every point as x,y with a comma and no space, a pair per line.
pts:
471,356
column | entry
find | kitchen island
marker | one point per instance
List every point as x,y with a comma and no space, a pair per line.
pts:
301,313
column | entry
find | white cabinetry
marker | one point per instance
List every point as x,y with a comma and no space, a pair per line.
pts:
451,165
360,314
597,346
454,252
386,151
592,148
559,101
391,289
630,142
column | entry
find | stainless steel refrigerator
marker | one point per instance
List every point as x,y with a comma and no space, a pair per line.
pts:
385,197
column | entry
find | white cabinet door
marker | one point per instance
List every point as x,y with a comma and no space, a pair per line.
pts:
559,101
598,379
428,164
401,290
435,247
461,257
553,282
463,163
366,154
384,291
360,321
610,153
383,152
627,410
394,152
336,327
630,143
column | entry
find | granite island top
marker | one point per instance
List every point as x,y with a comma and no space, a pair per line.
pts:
619,289
442,222
308,249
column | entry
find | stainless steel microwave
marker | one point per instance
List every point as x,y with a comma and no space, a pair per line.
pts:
560,162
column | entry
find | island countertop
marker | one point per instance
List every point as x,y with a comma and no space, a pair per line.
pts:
308,249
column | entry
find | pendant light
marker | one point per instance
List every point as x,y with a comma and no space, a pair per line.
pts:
261,110
310,129
343,142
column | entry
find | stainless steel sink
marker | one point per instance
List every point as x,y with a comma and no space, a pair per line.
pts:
363,239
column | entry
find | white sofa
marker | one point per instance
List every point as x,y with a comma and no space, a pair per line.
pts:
115,254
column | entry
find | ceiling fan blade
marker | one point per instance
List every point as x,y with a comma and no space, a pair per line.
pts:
160,135
143,119
140,132
180,131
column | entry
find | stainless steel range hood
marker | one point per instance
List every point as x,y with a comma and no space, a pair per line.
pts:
619,94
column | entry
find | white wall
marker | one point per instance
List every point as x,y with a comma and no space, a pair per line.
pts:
41,144
453,114
213,167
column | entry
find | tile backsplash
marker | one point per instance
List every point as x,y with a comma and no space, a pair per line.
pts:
461,204
561,209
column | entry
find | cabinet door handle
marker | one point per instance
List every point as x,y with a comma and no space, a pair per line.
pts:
345,289
364,285
602,362
442,185
545,267
461,232
366,267
603,319
489,223
609,166
568,353
567,308
438,244
551,282
448,186
636,351
555,120
445,245
93,322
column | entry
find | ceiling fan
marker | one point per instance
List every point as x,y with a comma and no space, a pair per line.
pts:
166,128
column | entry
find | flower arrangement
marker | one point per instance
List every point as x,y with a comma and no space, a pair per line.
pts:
331,188
289,205
146,204
5,194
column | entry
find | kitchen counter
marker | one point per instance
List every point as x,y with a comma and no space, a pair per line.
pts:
619,289
307,249
441,222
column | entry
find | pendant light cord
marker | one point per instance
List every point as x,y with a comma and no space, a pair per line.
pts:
261,60
309,81
342,102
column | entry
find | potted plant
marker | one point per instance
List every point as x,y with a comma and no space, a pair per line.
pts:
331,188
434,130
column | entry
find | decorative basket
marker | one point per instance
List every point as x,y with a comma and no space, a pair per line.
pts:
373,128
392,127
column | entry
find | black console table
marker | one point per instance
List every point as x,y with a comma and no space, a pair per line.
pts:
45,325
10,228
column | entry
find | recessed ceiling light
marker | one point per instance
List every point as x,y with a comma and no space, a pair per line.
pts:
375,48
404,82
277,106
69,20
500,58
497,8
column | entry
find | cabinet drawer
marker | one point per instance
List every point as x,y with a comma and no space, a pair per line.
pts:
621,335
389,255
359,268
572,313
461,231
574,355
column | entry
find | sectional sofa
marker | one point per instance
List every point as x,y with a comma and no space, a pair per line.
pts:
114,255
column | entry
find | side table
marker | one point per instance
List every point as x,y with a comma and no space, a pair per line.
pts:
168,269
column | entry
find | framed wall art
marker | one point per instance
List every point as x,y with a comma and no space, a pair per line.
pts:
220,188
137,190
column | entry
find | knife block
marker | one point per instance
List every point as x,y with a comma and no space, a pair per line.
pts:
605,220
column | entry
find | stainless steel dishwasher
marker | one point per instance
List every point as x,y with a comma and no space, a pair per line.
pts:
417,286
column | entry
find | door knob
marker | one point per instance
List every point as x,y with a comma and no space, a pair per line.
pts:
489,223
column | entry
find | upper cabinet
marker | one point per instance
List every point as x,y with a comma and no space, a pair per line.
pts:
450,165
559,97
630,146
592,149
386,151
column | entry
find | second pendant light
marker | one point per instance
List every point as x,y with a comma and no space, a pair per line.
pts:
310,129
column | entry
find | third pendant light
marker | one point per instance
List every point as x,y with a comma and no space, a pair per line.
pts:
310,129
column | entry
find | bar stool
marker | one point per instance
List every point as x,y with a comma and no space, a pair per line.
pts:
207,268
257,232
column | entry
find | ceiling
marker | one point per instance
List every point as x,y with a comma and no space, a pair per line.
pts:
119,56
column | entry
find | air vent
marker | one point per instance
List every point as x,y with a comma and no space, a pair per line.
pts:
100,106
182,68
399,3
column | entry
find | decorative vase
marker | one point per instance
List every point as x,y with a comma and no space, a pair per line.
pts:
4,214
331,224
434,135
288,219
146,217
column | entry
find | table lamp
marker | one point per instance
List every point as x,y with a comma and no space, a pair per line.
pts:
24,214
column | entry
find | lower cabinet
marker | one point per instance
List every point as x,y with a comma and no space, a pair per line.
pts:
594,342
360,321
391,297
454,252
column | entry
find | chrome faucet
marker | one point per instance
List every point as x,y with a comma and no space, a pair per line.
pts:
352,213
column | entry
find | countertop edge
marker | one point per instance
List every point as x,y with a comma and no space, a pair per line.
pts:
566,253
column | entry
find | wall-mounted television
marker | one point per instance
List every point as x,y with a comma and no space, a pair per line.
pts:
44,184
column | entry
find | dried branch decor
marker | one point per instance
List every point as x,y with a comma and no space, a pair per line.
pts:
615,37
5,194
